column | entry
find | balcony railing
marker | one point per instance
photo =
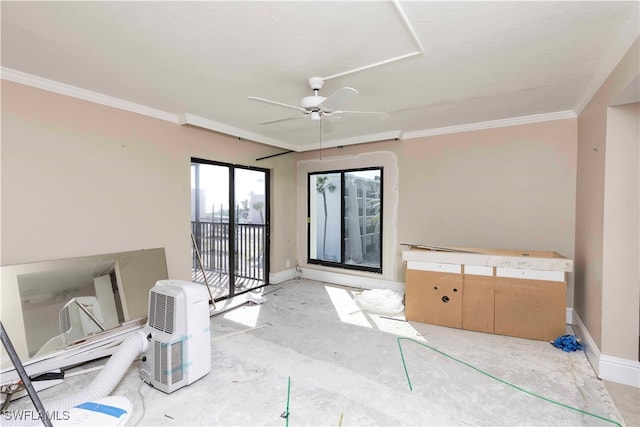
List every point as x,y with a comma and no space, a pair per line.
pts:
213,242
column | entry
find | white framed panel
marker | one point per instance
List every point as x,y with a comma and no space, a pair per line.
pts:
432,266
517,273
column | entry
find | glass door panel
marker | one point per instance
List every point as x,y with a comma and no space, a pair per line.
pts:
210,225
250,227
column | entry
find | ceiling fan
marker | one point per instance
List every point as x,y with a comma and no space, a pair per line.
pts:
317,107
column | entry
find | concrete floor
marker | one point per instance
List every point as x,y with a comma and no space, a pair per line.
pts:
627,400
345,368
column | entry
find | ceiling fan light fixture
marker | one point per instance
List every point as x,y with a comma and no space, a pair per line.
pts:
315,116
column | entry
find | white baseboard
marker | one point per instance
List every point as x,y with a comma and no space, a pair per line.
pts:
282,276
350,280
608,368
590,348
621,371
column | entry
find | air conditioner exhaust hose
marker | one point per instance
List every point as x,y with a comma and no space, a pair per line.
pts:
107,379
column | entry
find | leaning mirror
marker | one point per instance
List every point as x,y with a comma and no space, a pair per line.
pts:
47,306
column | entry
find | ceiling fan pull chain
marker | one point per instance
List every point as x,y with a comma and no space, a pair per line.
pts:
320,136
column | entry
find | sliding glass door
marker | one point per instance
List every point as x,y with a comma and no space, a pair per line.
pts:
230,226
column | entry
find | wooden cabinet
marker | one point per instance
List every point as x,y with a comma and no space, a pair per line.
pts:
506,293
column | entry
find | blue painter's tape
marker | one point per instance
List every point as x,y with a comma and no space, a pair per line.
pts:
182,338
103,409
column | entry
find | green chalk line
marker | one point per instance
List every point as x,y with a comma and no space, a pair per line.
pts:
287,410
546,399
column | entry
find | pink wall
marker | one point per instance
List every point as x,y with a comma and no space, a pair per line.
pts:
80,179
511,187
504,188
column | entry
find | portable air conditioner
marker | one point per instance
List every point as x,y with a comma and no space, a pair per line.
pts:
179,335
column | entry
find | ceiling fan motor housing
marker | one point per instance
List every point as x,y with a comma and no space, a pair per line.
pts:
312,102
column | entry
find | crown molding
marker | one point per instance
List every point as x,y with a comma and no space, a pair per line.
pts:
187,119
514,121
374,137
197,121
84,94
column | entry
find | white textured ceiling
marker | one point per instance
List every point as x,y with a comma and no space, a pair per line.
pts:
470,62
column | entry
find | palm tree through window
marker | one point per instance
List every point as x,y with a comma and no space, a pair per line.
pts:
345,219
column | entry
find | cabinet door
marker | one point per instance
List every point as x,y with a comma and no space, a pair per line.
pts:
435,298
477,307
532,309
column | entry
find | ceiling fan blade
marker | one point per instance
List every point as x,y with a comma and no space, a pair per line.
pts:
285,119
339,97
380,114
268,101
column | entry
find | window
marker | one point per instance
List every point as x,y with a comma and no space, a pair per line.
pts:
345,219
